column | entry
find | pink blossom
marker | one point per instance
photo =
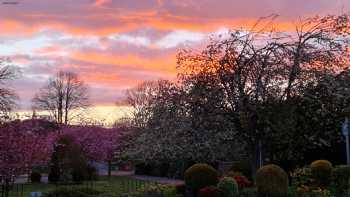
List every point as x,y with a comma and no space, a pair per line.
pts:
20,150
97,143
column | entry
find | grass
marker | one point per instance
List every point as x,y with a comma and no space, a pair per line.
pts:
116,185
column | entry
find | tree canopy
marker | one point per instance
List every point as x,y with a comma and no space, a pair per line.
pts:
269,92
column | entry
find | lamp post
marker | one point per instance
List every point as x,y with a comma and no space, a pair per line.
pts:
346,132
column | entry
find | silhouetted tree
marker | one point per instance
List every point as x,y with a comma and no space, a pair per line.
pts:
7,96
141,99
258,88
63,93
261,68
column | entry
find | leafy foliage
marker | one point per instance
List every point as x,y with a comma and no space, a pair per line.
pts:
341,177
68,161
184,132
301,176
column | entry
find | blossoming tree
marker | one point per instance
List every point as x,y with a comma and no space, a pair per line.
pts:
20,150
98,143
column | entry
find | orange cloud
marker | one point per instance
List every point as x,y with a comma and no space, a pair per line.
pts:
14,27
165,64
110,79
133,22
102,62
99,3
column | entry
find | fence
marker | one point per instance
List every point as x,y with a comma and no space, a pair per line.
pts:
124,186
17,189
24,190
128,186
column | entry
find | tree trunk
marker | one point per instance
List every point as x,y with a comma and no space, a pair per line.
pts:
109,168
260,159
254,163
66,116
6,189
60,112
67,102
256,157
29,174
2,190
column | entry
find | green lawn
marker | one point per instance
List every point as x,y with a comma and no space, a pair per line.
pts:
117,185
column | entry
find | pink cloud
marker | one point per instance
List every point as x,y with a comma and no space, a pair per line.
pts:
115,44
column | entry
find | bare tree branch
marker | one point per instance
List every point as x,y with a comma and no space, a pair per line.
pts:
7,96
63,94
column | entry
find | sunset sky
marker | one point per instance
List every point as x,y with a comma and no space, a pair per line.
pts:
115,44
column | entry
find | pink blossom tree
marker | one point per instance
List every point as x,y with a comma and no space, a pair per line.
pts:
98,143
20,151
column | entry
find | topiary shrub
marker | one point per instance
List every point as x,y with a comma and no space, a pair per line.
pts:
321,171
271,180
199,176
242,166
210,191
341,176
35,177
228,186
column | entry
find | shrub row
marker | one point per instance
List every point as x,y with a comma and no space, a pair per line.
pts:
271,180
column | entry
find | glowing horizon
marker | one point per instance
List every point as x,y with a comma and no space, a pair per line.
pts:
101,114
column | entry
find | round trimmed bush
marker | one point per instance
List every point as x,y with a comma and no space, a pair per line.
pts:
321,171
228,186
210,191
271,180
35,177
199,176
